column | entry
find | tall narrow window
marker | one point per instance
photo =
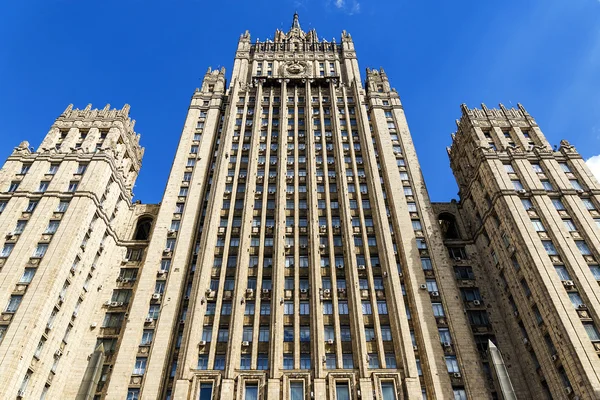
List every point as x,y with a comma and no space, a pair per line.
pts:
388,391
205,391
251,391
342,391
296,390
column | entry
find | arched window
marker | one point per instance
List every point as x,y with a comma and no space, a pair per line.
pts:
448,226
143,228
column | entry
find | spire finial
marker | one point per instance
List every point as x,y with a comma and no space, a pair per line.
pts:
296,23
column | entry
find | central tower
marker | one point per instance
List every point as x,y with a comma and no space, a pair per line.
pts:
296,253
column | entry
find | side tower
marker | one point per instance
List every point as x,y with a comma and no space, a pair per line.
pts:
533,213
63,208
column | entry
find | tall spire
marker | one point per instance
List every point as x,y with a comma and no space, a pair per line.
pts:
296,23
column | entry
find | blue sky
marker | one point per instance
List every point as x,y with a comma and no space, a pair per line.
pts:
544,54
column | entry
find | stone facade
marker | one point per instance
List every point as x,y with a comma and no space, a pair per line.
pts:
295,253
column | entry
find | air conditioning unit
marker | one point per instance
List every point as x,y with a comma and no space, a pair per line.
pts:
75,314
156,296
202,343
21,393
456,375
579,191
415,347
115,304
554,357
434,293
288,246
516,313
569,389
525,340
172,232
568,284
327,291
167,250
521,191
227,192
58,353
423,287
93,325
446,344
245,343
304,291
266,291
94,266
126,280
329,341
476,302
149,320
9,235
322,246
82,247
457,258
339,266
162,271
361,266
61,298
582,307
73,270
249,292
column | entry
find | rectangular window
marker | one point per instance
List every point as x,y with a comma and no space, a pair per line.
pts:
388,392
296,390
206,390
73,186
140,366
13,303
40,250
27,275
7,249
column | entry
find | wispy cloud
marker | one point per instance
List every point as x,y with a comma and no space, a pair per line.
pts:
593,163
350,7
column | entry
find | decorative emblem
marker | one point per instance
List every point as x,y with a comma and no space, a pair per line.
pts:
295,69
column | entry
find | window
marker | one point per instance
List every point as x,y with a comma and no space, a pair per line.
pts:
81,169
366,308
460,394
133,394
588,204
562,272
583,247
27,275
296,390
558,204
342,390
527,204
390,360
592,332
575,184
40,250
7,249
438,309
509,168
262,362
547,185
13,303
288,308
147,336
288,361
43,186
13,187
205,391
537,225
52,227
140,366
549,246
452,364
517,185
62,206
537,168
251,391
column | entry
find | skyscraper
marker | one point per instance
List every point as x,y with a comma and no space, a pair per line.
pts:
295,253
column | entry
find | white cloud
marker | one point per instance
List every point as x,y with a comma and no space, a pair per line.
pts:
594,164
339,3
